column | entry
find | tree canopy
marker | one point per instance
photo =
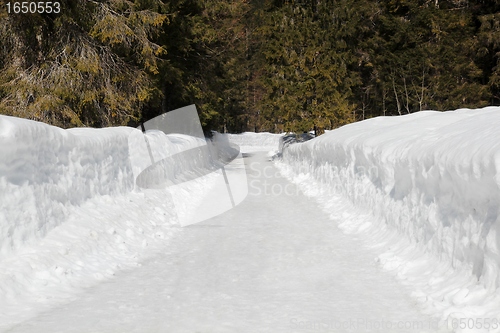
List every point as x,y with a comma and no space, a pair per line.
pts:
260,65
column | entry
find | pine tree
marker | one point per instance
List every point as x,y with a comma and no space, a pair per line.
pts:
488,48
306,78
88,65
276,65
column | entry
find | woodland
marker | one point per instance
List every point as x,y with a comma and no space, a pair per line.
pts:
248,65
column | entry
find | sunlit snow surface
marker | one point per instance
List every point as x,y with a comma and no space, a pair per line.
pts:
425,189
252,142
275,263
417,195
70,213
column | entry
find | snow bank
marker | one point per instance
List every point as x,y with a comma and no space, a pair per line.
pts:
251,142
44,170
71,213
427,189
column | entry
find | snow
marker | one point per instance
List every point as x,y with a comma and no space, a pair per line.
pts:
274,263
425,189
252,142
46,170
71,213
82,223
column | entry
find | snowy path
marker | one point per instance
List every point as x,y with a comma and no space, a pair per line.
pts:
272,264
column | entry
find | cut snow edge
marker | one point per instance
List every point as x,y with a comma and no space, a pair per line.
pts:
427,189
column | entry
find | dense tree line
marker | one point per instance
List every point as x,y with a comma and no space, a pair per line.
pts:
276,65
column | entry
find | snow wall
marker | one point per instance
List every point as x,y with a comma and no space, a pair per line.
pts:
71,212
428,180
45,170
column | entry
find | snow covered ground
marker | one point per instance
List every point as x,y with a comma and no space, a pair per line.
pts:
252,142
71,214
84,248
275,263
425,189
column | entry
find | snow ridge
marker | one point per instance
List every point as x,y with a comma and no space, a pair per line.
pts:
46,170
71,213
427,189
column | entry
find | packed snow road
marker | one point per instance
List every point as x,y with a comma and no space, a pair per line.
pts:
275,263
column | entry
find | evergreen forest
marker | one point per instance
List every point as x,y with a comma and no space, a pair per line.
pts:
248,65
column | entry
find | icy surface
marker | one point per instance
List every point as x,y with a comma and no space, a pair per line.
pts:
426,189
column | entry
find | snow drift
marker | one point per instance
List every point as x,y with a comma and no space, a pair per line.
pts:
71,212
44,170
429,185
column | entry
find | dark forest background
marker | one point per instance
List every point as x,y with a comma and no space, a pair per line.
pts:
258,65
